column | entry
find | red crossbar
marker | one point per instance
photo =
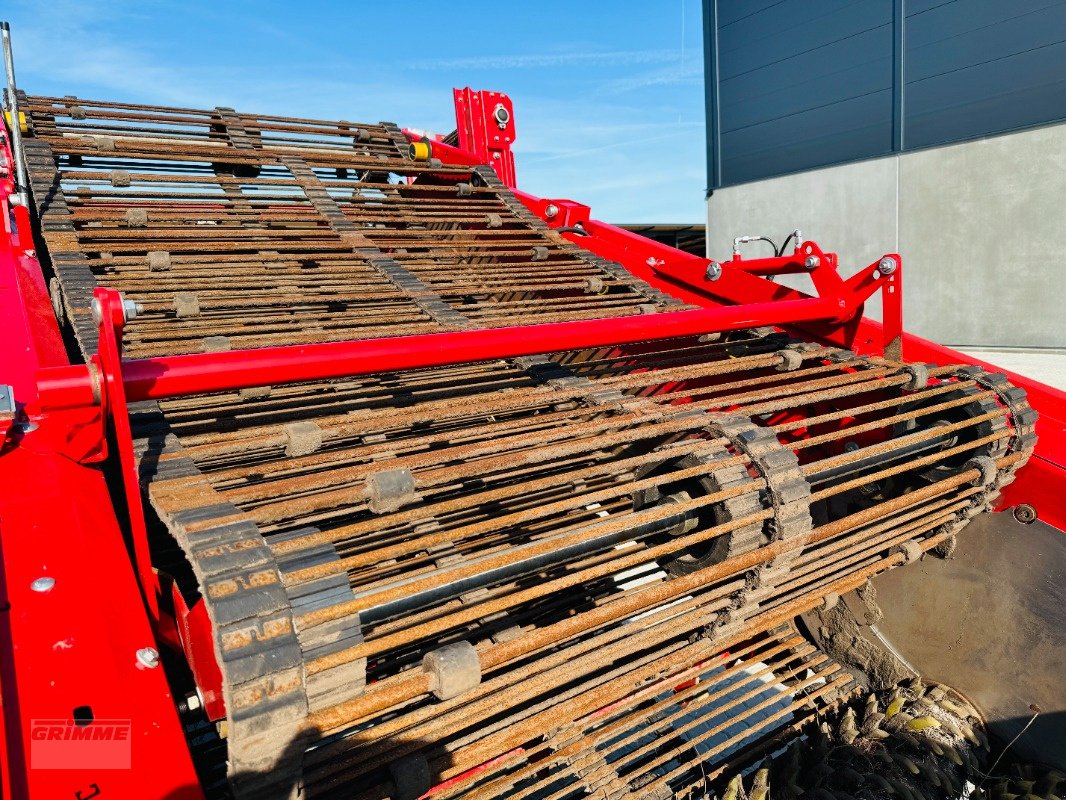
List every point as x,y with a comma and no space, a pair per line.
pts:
177,376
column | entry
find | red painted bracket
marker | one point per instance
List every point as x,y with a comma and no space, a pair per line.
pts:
485,123
739,281
109,310
73,633
180,376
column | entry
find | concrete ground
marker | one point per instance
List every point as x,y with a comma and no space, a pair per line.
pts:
1044,365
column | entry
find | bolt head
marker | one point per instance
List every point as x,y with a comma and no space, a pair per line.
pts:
886,266
130,309
98,311
1025,514
714,271
148,656
43,584
551,211
812,262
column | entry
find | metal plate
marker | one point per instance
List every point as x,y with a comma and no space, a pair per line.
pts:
991,622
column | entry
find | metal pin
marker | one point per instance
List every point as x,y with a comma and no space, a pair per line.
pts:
16,126
131,309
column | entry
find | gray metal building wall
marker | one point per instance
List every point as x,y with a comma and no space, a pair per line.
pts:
924,127
799,84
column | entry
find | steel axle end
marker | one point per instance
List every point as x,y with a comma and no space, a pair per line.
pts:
131,309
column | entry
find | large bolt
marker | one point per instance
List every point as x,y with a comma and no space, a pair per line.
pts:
812,262
714,271
1025,514
551,211
130,309
148,656
44,584
98,311
886,266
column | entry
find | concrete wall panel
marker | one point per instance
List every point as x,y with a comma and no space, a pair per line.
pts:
980,226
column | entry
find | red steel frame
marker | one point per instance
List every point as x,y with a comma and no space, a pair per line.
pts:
75,645
484,123
65,412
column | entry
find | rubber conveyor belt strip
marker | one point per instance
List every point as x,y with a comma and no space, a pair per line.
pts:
412,575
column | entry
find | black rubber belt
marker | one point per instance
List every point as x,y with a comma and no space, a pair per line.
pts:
403,147
486,176
240,140
252,620
390,269
235,130
1023,417
260,651
788,493
1023,440
345,681
71,266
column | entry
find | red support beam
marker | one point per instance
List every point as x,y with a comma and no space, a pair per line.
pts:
71,614
177,376
446,153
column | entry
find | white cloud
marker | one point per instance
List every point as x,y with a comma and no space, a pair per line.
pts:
677,74
566,59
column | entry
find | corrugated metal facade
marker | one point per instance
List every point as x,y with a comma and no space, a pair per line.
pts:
799,84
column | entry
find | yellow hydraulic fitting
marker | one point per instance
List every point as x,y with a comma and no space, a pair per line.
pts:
420,151
22,121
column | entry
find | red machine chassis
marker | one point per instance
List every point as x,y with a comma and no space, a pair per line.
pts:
74,645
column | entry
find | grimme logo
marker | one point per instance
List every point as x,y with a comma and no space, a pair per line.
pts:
64,744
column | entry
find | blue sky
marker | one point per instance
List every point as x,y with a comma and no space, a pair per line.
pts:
608,95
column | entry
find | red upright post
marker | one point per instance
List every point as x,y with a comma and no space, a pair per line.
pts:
485,124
